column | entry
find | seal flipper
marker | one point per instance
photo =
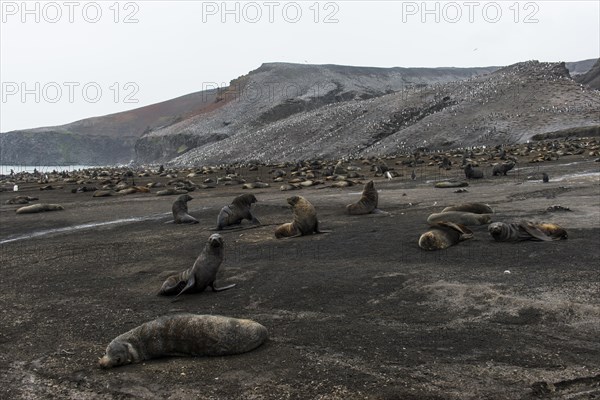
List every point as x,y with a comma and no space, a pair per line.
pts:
534,231
216,289
190,284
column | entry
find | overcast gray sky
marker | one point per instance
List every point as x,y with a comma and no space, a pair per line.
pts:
67,60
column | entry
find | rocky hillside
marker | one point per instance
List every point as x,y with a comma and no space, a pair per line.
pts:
109,139
511,105
276,92
268,94
296,111
591,78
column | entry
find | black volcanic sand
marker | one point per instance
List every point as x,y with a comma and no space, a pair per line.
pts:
358,313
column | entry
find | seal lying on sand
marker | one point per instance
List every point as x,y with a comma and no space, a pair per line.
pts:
443,235
180,210
36,208
450,184
367,203
202,274
305,219
184,335
238,210
526,230
460,217
476,208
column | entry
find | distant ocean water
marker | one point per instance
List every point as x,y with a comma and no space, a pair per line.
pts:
5,169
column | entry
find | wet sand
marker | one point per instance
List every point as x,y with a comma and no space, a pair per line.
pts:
358,313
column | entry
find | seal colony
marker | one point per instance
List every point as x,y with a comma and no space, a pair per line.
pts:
184,335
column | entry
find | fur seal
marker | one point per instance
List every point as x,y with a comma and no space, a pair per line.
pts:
367,203
460,217
202,274
545,177
526,230
450,184
305,219
472,173
255,185
238,210
476,208
443,235
21,200
36,208
180,210
184,335
503,168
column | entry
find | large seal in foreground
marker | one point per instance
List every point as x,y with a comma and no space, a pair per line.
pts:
367,203
237,211
443,235
305,219
476,208
460,217
202,274
526,230
184,335
180,210
36,208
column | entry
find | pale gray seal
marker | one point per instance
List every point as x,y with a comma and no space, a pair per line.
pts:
41,207
184,335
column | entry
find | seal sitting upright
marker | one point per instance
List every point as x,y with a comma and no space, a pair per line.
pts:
305,219
202,274
180,210
367,203
184,335
238,210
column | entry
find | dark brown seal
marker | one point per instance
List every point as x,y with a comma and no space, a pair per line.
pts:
180,210
184,335
503,168
367,203
202,274
477,208
238,210
443,235
472,173
305,219
526,230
